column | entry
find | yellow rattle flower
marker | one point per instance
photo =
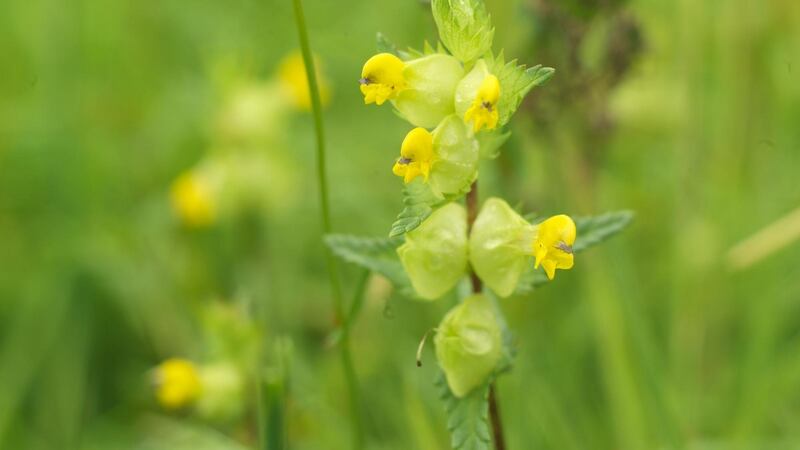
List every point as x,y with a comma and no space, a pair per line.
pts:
177,383
382,78
416,155
553,244
192,201
483,111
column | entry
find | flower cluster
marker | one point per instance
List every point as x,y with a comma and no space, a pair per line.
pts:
214,391
457,100
246,168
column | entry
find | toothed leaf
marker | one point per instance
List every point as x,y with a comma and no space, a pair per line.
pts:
515,83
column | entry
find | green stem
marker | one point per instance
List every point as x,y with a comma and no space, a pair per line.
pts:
494,409
333,273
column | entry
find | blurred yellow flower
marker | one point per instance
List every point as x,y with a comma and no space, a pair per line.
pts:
483,111
416,155
177,383
382,78
292,74
192,201
553,244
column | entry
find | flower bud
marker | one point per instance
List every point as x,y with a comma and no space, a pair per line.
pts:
468,344
500,246
434,254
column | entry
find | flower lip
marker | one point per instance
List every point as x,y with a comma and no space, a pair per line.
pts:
416,155
483,112
552,247
382,78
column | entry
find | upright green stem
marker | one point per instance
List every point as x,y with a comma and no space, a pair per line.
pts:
333,273
494,410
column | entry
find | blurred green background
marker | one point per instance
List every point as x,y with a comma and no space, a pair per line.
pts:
685,111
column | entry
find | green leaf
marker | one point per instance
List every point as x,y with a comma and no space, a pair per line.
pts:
467,417
515,83
419,202
592,230
427,49
465,27
529,280
376,254
384,45
491,141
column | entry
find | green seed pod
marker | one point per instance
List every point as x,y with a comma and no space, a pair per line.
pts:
430,86
468,344
456,157
223,393
435,253
500,246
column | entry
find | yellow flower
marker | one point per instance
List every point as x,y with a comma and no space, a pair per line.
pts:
177,383
382,78
191,200
416,155
292,74
483,111
553,244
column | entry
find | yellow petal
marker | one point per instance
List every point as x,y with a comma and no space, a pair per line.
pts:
552,244
177,383
549,268
382,78
416,155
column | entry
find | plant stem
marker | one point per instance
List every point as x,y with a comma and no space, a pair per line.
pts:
494,410
494,416
472,213
333,272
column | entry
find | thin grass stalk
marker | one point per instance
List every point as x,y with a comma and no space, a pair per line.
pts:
333,272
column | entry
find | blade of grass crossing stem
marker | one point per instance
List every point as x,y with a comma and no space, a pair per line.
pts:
344,346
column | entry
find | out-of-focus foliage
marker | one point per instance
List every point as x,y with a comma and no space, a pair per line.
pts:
685,112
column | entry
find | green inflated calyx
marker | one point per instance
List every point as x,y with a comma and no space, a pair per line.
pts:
500,246
430,86
435,254
468,344
457,155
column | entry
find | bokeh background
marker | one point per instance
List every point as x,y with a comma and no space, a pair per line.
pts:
158,200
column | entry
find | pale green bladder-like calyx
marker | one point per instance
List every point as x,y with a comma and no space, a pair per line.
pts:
456,157
468,344
434,255
500,246
430,86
